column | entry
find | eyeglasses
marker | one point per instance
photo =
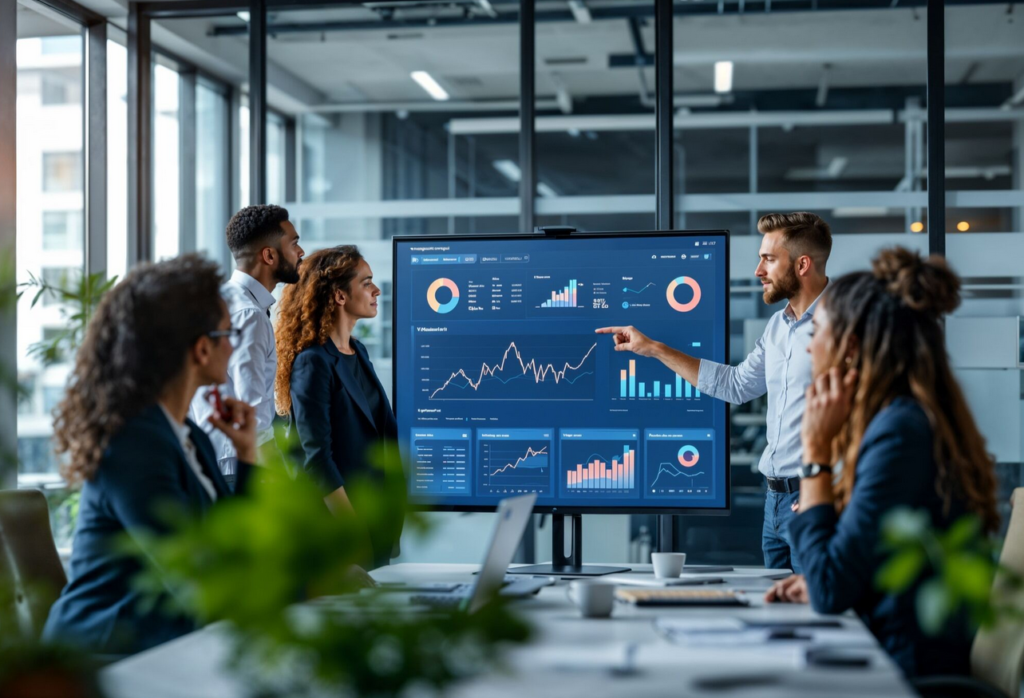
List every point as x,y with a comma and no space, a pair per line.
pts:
233,333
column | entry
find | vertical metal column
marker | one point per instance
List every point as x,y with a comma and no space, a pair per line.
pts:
290,162
527,112
8,221
753,176
187,180
664,182
936,127
258,101
664,131
95,140
140,136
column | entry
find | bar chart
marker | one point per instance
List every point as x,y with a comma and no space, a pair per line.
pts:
566,298
631,387
598,474
599,462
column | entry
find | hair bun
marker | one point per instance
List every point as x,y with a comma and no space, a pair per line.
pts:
926,285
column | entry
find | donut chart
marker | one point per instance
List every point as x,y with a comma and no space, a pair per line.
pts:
671,294
436,305
688,456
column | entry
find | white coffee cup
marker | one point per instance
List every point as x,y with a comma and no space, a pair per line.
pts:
595,599
668,565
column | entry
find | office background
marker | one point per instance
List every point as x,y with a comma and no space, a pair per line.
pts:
140,128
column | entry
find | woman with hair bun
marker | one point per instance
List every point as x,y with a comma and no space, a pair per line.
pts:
326,384
885,404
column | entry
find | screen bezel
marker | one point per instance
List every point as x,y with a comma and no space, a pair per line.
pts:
550,509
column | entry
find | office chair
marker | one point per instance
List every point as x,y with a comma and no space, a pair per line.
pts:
31,574
997,655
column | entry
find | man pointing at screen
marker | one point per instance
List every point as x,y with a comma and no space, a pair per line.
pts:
794,251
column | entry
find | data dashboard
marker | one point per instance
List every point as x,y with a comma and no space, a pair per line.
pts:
503,387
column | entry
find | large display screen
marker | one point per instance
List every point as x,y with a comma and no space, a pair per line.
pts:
502,387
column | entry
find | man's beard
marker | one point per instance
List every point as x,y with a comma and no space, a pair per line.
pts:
783,289
287,274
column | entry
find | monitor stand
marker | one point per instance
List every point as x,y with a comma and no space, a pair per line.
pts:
561,564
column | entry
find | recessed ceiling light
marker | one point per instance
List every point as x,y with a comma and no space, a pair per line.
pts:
723,76
428,83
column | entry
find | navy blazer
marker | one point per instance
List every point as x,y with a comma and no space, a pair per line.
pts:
338,431
840,555
143,466
332,417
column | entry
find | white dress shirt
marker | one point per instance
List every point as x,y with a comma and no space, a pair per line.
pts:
251,369
780,366
184,435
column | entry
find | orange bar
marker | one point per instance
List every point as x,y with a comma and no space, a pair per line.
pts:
632,367
622,374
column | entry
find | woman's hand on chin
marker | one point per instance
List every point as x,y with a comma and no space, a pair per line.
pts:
241,429
828,406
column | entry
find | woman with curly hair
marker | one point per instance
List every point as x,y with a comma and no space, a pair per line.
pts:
157,337
885,403
326,384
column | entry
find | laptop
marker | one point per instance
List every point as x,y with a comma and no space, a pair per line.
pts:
513,517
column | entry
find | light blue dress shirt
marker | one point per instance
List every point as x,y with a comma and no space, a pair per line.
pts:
251,369
780,366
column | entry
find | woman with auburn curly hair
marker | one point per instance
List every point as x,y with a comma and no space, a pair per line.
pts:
157,337
885,402
326,384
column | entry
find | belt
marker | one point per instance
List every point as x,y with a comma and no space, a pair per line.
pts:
783,484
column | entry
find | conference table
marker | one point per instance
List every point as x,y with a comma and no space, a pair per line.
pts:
628,654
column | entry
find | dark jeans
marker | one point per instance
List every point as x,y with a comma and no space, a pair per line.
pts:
775,540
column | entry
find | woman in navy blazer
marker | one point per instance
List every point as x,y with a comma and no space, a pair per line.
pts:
326,384
157,337
885,402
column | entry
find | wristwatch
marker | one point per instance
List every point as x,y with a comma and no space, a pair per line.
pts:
814,469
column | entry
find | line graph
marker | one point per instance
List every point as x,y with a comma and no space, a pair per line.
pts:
638,292
673,473
496,368
516,461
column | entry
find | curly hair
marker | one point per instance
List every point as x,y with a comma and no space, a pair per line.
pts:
136,343
894,312
254,226
307,311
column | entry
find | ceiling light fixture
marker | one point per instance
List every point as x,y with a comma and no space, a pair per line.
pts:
963,226
723,76
243,15
428,83
580,12
509,169
917,227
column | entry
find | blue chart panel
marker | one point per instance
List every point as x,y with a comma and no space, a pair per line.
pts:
440,460
514,461
679,463
599,463
538,367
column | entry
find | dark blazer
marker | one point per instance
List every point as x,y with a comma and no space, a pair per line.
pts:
144,465
332,417
840,555
335,425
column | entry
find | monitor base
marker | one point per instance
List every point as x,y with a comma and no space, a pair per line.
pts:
567,570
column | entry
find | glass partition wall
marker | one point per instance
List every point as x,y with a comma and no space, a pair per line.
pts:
420,118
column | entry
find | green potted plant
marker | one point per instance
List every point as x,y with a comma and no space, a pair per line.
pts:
276,589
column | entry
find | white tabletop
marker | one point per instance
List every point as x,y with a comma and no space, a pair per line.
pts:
571,656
